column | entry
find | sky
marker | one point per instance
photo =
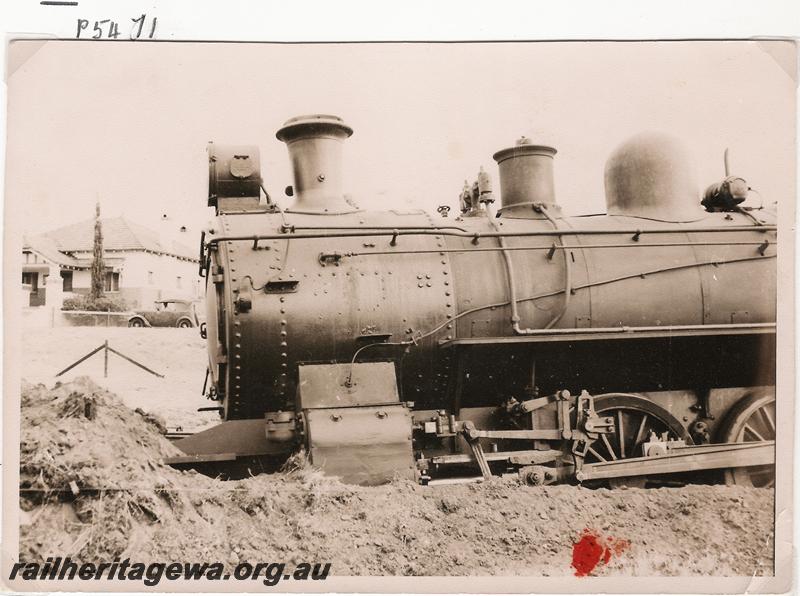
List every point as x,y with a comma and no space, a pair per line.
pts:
127,124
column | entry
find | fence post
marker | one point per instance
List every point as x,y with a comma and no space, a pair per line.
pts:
108,318
105,359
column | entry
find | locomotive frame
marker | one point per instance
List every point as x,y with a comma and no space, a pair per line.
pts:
394,344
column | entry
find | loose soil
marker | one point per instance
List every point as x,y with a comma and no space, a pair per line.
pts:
129,504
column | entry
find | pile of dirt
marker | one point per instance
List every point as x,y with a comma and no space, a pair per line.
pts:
129,504
79,432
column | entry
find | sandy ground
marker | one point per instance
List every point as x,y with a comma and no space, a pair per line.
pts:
129,504
178,354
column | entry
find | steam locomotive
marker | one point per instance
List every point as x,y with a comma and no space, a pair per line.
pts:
618,348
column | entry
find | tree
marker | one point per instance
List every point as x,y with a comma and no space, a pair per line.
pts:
98,267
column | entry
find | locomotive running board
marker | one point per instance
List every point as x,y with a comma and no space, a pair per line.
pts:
684,459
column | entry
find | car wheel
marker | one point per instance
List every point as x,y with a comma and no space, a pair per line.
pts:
183,323
136,323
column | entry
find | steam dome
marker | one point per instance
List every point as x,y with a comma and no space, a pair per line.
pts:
651,175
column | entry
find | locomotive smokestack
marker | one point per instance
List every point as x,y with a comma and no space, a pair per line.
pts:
315,148
526,176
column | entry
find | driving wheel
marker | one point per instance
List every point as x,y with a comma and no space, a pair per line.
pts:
634,417
751,419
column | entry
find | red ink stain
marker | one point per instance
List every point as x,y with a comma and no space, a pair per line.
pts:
592,548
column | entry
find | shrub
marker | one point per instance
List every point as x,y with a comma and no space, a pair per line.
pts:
103,304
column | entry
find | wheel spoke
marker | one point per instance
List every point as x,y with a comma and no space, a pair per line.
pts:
620,435
597,455
752,431
608,446
768,419
640,432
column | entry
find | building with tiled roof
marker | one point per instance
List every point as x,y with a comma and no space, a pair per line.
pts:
119,234
142,265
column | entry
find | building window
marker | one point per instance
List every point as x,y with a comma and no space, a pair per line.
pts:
150,278
178,282
31,278
66,284
111,282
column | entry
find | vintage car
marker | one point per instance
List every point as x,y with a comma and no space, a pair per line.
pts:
166,313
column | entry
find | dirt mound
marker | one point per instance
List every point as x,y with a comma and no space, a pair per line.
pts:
130,505
78,432
98,461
